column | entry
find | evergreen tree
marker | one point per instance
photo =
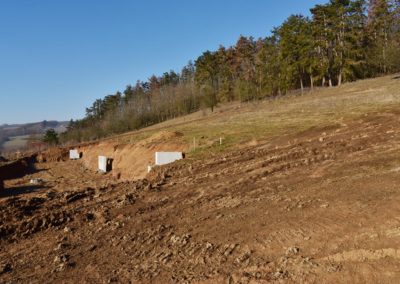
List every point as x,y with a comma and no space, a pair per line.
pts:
207,78
51,137
296,44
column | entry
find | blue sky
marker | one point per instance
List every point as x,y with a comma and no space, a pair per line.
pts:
58,56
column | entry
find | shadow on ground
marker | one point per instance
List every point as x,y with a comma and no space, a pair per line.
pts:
15,191
18,168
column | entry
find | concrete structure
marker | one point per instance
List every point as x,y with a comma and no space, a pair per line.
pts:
36,181
74,155
163,158
103,164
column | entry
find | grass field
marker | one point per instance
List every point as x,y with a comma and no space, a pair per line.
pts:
241,123
17,142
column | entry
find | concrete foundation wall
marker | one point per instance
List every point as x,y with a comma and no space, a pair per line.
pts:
163,158
103,164
74,155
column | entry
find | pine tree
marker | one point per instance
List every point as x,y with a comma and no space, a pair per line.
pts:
245,69
296,44
206,78
383,26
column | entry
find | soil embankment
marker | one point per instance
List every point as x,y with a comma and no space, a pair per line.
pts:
17,168
130,160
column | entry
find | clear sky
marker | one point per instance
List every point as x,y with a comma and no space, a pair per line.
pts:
58,56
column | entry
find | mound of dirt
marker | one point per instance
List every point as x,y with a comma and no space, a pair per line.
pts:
15,169
130,161
53,155
161,136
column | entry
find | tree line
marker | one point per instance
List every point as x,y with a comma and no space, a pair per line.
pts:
342,41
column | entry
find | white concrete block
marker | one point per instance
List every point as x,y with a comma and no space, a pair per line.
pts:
74,155
103,164
36,181
163,158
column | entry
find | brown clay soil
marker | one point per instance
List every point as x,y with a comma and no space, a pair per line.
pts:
317,206
130,160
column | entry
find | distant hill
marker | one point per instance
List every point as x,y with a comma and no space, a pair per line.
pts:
37,128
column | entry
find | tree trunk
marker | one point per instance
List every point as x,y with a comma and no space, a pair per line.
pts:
312,82
323,81
301,84
385,44
384,60
340,78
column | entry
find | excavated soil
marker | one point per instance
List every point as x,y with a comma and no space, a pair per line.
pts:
130,160
319,207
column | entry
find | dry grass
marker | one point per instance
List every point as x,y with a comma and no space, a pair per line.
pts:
239,123
15,143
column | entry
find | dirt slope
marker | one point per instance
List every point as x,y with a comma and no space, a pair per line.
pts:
130,160
314,205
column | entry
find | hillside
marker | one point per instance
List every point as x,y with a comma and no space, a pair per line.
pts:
340,42
302,189
14,137
244,124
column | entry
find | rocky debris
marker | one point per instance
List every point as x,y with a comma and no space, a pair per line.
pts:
77,195
292,251
244,258
67,230
74,196
5,267
25,228
61,258
62,261
62,246
280,274
89,217
141,184
127,199
51,195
